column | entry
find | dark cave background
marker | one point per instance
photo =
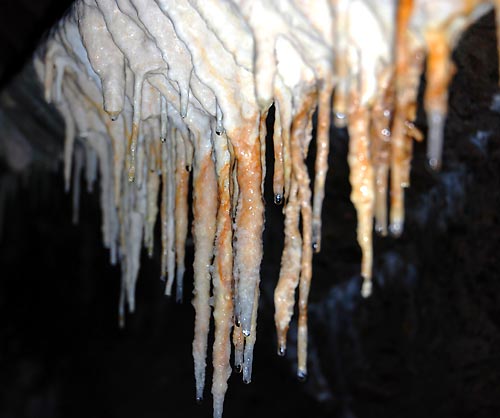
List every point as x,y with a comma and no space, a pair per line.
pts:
425,344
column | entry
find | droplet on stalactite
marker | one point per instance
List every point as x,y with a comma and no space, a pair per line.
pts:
301,376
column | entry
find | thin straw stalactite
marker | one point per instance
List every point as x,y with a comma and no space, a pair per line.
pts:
409,62
284,294
278,168
298,135
170,146
321,163
380,150
182,175
362,180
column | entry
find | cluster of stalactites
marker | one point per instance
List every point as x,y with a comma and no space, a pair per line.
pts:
154,93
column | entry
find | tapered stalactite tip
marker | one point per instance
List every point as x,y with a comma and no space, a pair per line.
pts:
301,376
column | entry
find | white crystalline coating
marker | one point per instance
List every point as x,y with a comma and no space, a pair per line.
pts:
287,59
152,91
172,49
105,57
369,30
225,21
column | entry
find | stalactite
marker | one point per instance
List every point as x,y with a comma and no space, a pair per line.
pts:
222,275
182,175
154,91
204,229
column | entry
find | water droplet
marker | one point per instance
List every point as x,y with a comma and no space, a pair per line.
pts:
366,288
381,230
199,400
278,199
247,380
281,351
246,333
396,229
315,246
301,375
238,368
434,164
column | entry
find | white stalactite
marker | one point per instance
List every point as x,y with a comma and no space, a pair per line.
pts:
152,90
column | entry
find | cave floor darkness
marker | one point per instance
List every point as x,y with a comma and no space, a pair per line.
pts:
424,345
